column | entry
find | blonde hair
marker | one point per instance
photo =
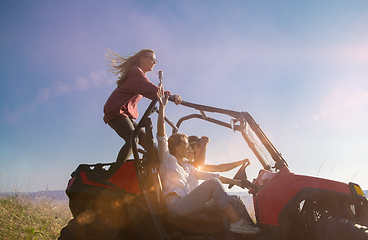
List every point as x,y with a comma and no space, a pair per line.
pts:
174,140
122,64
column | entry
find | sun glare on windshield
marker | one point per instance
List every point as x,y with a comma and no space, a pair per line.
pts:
259,147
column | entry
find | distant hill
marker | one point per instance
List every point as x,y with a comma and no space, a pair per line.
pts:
60,196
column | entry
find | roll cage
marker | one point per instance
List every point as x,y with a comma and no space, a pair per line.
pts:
239,121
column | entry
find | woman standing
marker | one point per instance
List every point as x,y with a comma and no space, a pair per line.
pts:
120,109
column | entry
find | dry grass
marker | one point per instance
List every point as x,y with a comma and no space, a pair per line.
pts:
248,200
25,218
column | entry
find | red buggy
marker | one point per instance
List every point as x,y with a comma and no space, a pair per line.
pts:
123,200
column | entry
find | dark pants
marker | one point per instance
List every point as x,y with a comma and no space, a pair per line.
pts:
124,127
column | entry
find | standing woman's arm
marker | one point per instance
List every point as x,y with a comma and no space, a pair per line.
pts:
140,84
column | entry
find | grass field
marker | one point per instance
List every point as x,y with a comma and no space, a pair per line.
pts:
22,217
42,215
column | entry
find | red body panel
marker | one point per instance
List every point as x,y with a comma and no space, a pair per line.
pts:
70,183
88,182
279,188
126,178
263,177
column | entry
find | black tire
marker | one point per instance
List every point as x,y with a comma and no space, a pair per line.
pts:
79,203
338,229
93,231
65,234
74,231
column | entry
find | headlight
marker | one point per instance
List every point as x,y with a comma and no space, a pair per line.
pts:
356,190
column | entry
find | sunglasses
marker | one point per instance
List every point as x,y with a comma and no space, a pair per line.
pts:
154,60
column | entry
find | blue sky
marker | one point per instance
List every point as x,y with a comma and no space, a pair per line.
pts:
300,69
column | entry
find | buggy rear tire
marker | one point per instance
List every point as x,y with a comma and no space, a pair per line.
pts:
76,231
65,233
338,229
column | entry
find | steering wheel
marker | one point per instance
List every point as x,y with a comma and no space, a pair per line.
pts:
242,175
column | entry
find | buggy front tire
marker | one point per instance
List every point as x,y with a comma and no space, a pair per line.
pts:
338,229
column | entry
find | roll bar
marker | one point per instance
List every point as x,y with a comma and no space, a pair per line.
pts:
241,117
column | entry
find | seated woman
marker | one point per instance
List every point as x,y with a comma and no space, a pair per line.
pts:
197,156
182,198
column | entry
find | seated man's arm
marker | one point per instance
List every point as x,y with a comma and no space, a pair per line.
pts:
161,113
161,133
224,167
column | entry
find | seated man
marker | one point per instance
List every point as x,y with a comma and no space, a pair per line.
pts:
176,174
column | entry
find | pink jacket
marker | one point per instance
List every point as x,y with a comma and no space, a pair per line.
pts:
124,99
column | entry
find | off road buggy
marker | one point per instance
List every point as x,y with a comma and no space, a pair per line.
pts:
123,200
